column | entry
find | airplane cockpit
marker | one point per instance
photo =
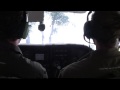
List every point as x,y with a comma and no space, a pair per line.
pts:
55,39
59,44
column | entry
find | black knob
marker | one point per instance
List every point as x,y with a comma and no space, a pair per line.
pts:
41,27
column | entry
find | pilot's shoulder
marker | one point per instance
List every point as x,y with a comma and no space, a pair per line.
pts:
35,66
33,63
71,69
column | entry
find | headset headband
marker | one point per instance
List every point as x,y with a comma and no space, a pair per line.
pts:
88,15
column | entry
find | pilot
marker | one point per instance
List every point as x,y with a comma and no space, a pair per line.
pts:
104,62
14,27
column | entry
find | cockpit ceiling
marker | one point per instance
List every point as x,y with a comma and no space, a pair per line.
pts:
74,11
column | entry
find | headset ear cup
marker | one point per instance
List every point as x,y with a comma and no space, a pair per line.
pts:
87,29
26,31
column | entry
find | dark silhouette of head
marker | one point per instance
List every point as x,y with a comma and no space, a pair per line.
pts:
13,24
104,27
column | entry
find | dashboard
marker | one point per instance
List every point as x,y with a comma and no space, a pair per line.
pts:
54,57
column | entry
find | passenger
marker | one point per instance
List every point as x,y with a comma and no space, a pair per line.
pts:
104,62
13,27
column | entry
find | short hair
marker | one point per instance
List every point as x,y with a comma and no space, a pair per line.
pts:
12,24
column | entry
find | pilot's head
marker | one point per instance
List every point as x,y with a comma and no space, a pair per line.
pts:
13,25
104,28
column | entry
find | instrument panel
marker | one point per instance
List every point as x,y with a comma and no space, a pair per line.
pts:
54,57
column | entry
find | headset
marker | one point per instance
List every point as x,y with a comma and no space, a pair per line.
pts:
88,28
88,34
23,27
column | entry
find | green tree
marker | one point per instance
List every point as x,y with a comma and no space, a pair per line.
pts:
58,18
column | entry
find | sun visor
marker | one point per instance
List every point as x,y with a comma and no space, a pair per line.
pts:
35,16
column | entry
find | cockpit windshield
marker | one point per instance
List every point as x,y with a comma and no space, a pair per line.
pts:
60,28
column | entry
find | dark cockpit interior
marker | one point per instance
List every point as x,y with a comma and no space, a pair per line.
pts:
55,40
55,57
